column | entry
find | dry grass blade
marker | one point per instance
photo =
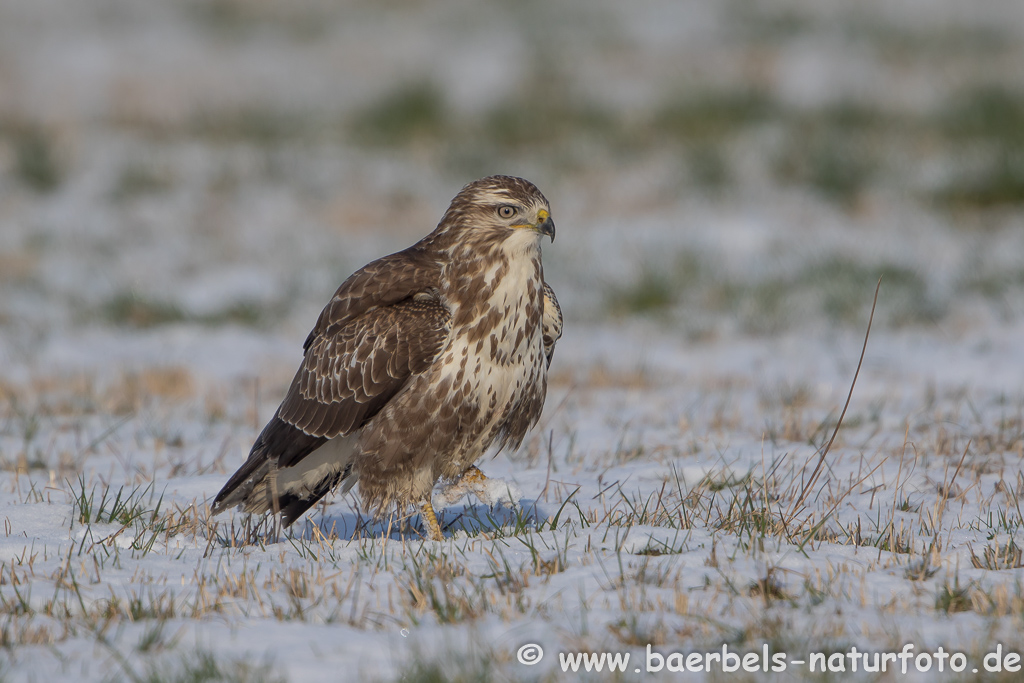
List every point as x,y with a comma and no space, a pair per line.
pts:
821,460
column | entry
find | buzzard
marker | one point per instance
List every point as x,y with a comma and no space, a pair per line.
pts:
420,362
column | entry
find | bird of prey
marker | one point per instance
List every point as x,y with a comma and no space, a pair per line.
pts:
421,361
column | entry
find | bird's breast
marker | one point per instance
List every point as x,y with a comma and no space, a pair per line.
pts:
497,349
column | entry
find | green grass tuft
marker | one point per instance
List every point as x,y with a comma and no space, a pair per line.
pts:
35,162
129,309
411,113
203,666
712,116
654,291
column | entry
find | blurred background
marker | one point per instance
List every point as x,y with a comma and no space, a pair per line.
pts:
716,169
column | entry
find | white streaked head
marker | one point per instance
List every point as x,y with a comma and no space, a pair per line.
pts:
501,207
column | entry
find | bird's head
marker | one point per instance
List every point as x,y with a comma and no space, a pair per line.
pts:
501,207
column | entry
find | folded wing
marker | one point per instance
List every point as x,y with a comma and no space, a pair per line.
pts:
384,325
551,322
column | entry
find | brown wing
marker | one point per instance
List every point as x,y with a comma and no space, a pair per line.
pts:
551,322
383,282
383,325
352,369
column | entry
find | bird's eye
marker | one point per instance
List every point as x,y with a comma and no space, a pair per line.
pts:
507,211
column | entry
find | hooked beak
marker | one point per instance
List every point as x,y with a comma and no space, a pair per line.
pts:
546,226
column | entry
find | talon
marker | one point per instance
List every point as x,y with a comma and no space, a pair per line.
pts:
473,476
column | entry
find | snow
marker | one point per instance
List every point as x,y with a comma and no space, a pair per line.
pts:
586,520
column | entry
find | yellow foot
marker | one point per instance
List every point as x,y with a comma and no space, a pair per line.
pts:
473,476
472,481
430,521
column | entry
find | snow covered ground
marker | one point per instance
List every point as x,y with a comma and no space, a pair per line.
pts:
183,184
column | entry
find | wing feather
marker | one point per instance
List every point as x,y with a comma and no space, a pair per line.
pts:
383,282
551,322
352,369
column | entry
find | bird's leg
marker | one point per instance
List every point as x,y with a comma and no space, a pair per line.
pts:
430,521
